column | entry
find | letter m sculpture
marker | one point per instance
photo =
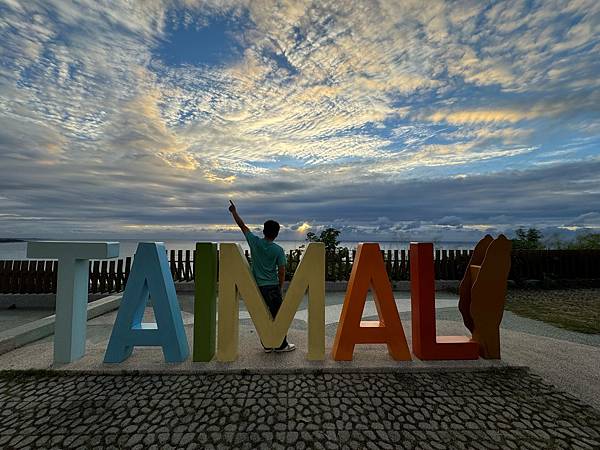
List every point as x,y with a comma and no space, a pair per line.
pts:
235,280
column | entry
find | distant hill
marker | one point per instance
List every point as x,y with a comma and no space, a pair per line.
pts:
11,240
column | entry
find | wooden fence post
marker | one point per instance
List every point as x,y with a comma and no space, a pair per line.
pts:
127,270
112,276
444,265
119,278
348,266
47,278
14,277
451,265
173,264
104,276
95,276
395,268
193,275
187,273
437,262
180,266
3,264
4,275
54,274
32,277
403,265
35,275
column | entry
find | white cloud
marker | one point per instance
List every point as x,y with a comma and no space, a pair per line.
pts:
321,94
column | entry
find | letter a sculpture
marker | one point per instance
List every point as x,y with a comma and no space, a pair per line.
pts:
483,293
149,278
368,270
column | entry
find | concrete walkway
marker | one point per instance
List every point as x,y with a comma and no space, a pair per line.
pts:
571,361
492,409
38,354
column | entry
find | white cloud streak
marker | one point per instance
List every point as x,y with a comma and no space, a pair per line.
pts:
328,90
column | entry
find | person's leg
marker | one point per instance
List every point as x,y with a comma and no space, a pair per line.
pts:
264,291
273,299
277,300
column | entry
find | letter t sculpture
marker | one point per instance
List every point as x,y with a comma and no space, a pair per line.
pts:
71,290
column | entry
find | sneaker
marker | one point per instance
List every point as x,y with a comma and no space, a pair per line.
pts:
267,350
288,348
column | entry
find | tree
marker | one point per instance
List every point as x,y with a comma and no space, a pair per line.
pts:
329,237
527,240
588,241
534,236
555,242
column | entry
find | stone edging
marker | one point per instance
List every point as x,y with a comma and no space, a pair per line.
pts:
39,329
275,371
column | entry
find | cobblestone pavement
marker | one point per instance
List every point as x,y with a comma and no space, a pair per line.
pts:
502,408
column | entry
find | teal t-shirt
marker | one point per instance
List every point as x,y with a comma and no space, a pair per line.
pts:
267,256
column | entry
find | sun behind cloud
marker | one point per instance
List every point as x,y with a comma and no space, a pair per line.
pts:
304,228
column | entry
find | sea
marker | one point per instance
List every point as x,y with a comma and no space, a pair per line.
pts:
18,250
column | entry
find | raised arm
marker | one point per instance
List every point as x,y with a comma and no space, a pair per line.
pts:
237,218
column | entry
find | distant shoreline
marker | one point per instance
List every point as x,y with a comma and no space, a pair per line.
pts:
298,242
349,241
16,249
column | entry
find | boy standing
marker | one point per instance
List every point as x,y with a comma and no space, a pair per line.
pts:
268,267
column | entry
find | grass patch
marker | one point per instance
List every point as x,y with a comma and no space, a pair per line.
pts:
572,309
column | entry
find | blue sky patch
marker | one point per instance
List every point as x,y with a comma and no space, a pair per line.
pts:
211,45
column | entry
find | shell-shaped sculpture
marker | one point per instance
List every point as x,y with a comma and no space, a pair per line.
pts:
483,293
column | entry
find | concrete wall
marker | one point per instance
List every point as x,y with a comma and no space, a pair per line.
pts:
36,300
187,288
38,329
340,286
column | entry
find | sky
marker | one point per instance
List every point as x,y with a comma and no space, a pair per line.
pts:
389,120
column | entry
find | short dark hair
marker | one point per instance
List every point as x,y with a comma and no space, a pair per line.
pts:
271,229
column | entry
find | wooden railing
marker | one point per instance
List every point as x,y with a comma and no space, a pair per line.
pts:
27,277
556,264
108,276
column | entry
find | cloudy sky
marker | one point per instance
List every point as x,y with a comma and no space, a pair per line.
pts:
387,119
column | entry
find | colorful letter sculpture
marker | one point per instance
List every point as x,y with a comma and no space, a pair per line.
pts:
426,345
483,293
72,290
235,278
464,289
368,270
149,278
205,301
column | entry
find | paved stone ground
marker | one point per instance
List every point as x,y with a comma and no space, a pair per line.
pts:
500,408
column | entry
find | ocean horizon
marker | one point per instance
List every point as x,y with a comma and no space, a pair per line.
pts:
18,250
